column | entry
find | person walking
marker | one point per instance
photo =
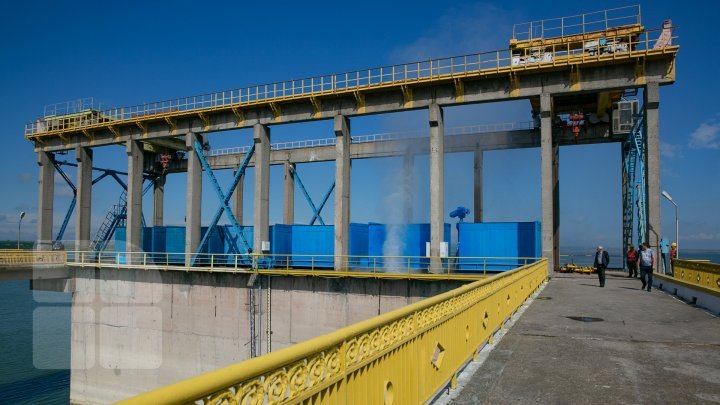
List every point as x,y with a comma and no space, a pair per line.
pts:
602,259
632,261
647,264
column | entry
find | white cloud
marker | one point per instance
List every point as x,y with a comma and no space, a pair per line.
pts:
706,136
670,150
702,236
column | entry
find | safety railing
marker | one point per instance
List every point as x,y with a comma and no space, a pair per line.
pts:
303,264
404,356
381,137
31,257
697,273
578,24
645,43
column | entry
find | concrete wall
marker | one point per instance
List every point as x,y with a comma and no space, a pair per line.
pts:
133,331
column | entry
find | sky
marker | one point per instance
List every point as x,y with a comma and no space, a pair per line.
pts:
134,52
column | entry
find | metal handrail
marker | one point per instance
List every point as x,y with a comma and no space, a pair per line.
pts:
578,24
471,65
32,257
380,137
301,264
415,351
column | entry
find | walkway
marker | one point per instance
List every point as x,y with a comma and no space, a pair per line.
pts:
648,348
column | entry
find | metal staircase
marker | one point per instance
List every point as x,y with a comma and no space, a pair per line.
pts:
634,184
113,219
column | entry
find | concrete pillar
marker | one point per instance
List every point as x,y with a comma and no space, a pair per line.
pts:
238,198
478,186
652,163
556,204
193,199
133,241
84,157
437,185
408,180
342,191
159,201
548,182
261,221
46,196
289,194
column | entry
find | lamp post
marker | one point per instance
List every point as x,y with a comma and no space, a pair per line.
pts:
677,234
22,215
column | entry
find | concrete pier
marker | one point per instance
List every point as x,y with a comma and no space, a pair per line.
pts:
84,158
437,185
478,186
261,206
136,330
193,199
289,193
548,175
652,168
46,197
237,198
134,197
342,191
159,201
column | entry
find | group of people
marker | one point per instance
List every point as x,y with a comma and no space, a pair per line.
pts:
645,259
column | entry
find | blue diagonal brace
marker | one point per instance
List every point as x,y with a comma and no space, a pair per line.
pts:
322,204
316,211
73,202
223,197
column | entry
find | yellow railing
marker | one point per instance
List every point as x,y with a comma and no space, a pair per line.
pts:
31,257
645,43
403,357
391,267
697,273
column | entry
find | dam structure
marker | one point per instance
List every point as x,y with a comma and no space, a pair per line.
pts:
155,304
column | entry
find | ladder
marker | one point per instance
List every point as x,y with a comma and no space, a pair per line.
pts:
634,184
114,218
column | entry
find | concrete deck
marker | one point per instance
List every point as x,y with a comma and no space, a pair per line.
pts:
649,348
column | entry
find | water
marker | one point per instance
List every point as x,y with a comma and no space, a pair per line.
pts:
34,331
586,256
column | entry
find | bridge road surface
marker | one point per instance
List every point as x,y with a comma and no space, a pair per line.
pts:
649,348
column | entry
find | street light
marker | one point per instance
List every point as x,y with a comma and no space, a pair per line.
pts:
677,234
22,215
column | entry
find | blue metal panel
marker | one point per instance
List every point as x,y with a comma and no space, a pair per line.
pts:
312,245
412,238
358,248
498,240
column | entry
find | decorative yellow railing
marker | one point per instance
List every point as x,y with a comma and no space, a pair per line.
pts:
31,257
403,357
562,54
698,273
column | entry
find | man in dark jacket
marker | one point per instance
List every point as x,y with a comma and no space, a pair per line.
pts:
602,259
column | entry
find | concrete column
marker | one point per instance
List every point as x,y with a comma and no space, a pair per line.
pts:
261,221
548,182
478,186
652,163
556,204
289,194
193,199
238,198
46,196
437,185
159,201
342,191
133,241
408,179
84,157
